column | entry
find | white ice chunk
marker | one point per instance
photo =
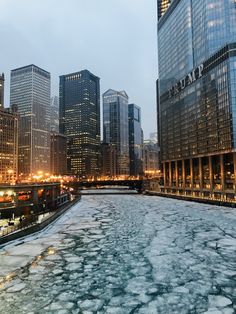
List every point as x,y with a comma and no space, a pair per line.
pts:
17,288
219,301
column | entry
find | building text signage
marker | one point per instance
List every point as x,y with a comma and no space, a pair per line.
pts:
186,81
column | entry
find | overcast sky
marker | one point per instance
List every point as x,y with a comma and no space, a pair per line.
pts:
114,39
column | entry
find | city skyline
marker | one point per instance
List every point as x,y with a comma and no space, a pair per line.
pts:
99,51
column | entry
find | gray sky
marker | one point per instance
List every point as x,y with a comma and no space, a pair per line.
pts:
114,39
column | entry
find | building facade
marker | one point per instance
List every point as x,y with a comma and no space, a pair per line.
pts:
30,91
2,80
8,145
162,6
116,128
150,158
197,98
79,121
135,140
54,114
58,154
109,160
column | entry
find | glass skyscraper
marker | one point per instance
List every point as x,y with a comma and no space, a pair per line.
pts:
135,140
197,97
116,128
79,120
30,91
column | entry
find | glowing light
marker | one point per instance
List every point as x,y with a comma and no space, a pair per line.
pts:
51,251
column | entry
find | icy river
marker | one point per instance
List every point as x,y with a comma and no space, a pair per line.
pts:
125,254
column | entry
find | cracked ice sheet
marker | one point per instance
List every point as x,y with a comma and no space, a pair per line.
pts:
21,252
130,254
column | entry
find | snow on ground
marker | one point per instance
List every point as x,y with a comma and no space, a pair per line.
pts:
125,254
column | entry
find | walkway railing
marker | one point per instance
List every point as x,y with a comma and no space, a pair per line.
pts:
25,223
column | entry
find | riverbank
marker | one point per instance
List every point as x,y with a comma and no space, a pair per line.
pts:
37,226
191,198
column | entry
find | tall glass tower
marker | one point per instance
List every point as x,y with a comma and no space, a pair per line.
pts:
116,128
197,97
79,120
30,91
135,140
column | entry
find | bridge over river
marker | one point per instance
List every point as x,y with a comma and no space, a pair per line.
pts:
132,184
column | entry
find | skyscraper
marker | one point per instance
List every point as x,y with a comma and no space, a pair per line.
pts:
116,128
79,120
58,154
2,79
135,140
8,145
150,158
54,112
197,98
162,7
30,91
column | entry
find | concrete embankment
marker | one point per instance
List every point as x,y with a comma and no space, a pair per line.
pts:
192,199
38,226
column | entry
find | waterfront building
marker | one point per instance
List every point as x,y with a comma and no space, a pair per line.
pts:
116,128
162,6
24,199
135,140
197,98
109,160
8,145
54,114
58,154
150,158
79,121
2,79
30,91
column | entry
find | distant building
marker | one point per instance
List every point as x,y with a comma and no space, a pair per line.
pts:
2,79
30,91
150,158
153,137
79,121
116,128
54,114
58,154
8,145
109,160
135,140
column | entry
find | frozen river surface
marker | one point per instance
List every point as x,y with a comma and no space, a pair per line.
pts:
125,254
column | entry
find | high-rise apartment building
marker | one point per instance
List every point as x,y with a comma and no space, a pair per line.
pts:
116,128
8,145
2,79
197,98
135,140
30,91
162,6
79,121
